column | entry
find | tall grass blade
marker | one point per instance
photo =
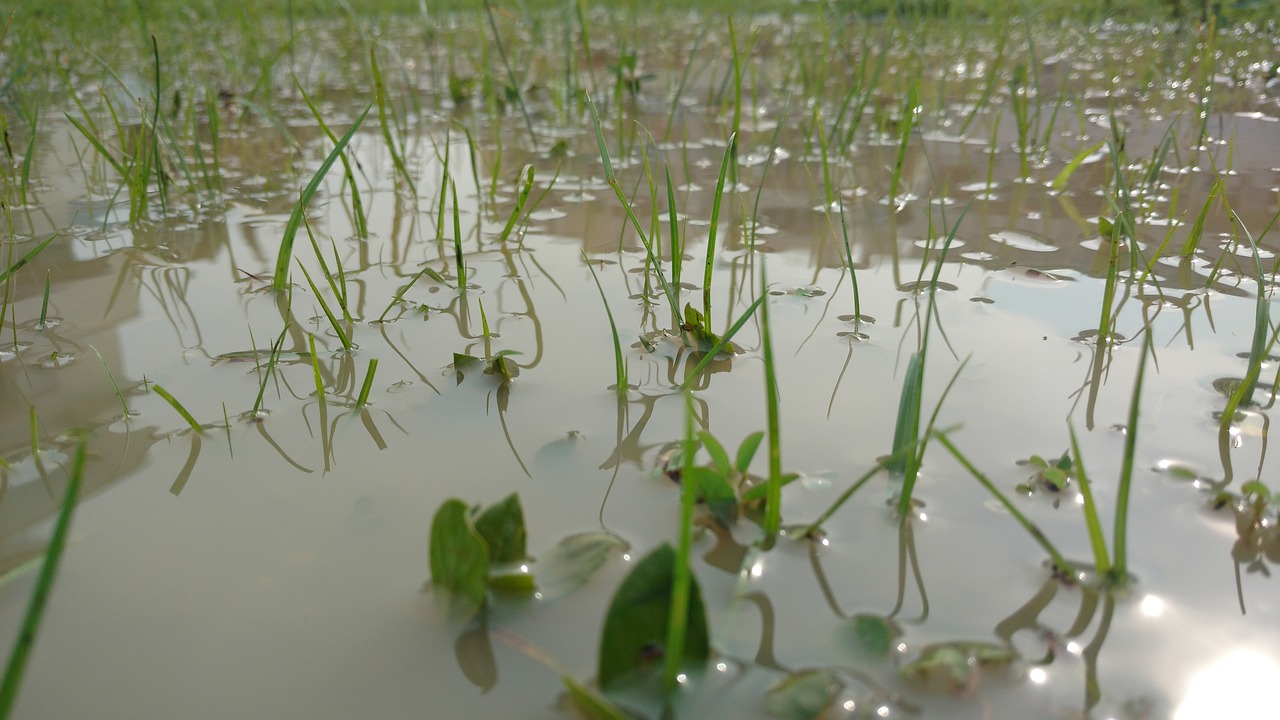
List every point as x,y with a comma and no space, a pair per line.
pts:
380,98
729,155
773,502
619,361
681,580
1097,542
1120,566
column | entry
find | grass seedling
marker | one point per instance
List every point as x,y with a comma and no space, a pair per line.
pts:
177,406
281,277
619,361
853,271
905,124
522,196
1060,181
44,585
1120,568
385,119
1192,242
1060,563
363,399
347,345
457,239
44,303
729,159
1097,542
773,503
15,266
124,407
337,281
511,75
357,205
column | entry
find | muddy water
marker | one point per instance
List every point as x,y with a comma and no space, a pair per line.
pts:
274,564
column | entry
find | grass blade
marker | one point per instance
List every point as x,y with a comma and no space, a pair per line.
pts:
281,277
44,585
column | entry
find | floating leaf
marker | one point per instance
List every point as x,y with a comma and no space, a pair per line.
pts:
874,634
512,583
803,695
463,363
459,559
573,561
635,628
591,703
502,527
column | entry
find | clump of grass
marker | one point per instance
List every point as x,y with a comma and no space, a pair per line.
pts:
357,204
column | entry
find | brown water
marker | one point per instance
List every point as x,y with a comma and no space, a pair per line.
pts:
273,567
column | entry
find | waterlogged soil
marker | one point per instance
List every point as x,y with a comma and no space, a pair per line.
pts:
273,564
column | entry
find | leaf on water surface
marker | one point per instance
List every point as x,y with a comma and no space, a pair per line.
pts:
474,652
874,635
502,527
803,695
573,561
463,363
592,704
635,628
954,667
701,337
513,583
758,492
459,560
500,365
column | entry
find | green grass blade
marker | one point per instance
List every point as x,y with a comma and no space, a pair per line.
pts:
773,504
1060,182
682,574
44,585
281,277
363,399
715,225
177,406
1120,565
619,362
1097,541
31,254
1059,561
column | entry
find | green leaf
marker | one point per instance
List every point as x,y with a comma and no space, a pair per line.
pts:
591,703
715,491
1254,487
502,527
747,450
513,583
635,628
1105,227
803,695
758,492
719,457
459,560
573,561
1055,479
873,634
463,363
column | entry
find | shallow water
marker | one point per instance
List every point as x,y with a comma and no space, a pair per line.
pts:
274,566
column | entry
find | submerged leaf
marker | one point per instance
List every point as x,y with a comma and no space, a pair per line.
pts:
803,695
502,527
459,560
873,634
635,628
474,652
573,561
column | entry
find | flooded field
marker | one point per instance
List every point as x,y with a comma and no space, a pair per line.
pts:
969,322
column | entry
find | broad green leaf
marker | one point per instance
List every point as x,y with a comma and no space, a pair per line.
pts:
573,561
747,450
591,703
459,560
635,628
719,457
1105,227
502,527
874,634
802,695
